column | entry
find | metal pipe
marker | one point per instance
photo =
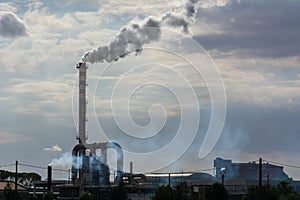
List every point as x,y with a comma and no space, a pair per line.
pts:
108,145
78,151
119,151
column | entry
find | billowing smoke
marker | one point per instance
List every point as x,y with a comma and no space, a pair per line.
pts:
64,161
11,26
132,37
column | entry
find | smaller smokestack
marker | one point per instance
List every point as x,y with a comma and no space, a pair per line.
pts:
131,167
49,181
260,179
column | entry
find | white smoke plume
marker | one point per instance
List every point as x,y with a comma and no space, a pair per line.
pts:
139,32
64,161
11,26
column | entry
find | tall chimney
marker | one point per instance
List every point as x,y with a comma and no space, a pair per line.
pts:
82,67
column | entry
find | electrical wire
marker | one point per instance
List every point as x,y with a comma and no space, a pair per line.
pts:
8,165
283,164
184,172
39,167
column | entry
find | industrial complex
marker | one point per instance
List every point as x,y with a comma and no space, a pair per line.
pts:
91,173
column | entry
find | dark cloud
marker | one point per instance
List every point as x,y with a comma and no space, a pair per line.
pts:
259,28
273,73
11,26
257,129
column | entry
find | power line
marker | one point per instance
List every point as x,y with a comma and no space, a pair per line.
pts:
184,172
283,164
203,170
8,165
39,167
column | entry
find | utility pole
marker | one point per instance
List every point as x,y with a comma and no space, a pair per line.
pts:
49,179
223,177
169,180
260,179
16,181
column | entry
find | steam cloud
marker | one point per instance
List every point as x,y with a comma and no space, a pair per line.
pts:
11,26
64,161
67,161
132,37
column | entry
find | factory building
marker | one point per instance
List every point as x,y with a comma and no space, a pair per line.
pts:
248,171
237,177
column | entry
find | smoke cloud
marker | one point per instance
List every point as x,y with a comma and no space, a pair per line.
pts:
132,37
67,161
138,32
11,26
64,161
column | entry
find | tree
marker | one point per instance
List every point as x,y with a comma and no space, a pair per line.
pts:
268,192
283,191
182,191
286,191
10,194
118,193
85,196
48,196
216,192
163,193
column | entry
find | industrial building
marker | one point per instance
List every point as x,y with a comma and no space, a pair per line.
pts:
249,171
90,172
237,177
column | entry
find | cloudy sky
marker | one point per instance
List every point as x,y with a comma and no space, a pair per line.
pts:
253,44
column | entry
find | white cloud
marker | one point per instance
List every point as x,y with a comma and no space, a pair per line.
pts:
53,148
132,7
8,7
214,3
7,137
5,99
49,91
50,99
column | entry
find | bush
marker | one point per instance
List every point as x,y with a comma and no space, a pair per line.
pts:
85,196
216,192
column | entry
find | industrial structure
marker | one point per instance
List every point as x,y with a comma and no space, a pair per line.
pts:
87,168
237,177
90,172
249,171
